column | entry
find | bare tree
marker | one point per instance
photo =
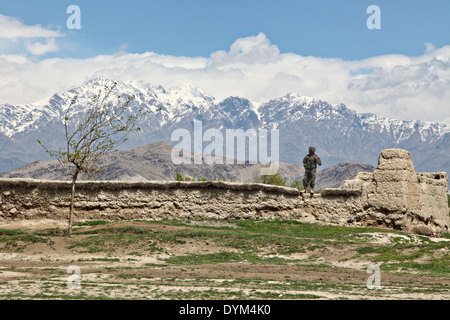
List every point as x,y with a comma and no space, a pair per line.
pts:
104,127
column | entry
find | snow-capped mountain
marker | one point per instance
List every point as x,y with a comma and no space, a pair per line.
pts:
338,133
341,134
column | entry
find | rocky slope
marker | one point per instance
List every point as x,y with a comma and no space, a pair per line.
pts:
334,176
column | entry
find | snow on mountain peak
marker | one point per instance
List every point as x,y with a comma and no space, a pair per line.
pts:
179,101
403,129
190,92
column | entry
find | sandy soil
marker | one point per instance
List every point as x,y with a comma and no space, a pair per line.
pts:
39,271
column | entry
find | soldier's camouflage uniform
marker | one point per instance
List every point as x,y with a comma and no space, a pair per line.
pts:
310,163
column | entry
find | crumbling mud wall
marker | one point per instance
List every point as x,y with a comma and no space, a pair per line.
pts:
35,199
393,196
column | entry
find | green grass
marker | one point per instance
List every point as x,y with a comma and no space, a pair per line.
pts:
277,236
221,257
92,223
435,267
255,241
16,240
108,239
300,229
100,259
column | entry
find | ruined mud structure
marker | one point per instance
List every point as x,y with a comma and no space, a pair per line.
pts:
393,196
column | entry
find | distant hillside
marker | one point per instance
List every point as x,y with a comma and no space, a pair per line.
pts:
153,162
334,176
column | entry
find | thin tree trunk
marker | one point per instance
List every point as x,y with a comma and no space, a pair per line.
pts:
72,200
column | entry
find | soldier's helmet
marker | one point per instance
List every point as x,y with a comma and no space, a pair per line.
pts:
312,149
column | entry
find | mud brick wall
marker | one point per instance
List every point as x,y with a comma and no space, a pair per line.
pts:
37,199
393,196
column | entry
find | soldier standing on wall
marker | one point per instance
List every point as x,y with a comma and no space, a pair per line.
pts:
310,163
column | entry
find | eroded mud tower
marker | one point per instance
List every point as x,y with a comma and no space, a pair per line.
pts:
396,196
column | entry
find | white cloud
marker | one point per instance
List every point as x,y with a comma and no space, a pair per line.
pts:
14,35
249,50
393,85
39,49
13,29
418,90
430,47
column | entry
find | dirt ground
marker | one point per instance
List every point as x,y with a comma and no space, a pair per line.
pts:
40,270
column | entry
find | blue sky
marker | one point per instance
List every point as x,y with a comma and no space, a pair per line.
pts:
321,28
257,49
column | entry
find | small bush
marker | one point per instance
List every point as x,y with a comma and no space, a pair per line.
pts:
275,179
297,183
179,177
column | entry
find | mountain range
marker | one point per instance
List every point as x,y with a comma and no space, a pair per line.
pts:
339,133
